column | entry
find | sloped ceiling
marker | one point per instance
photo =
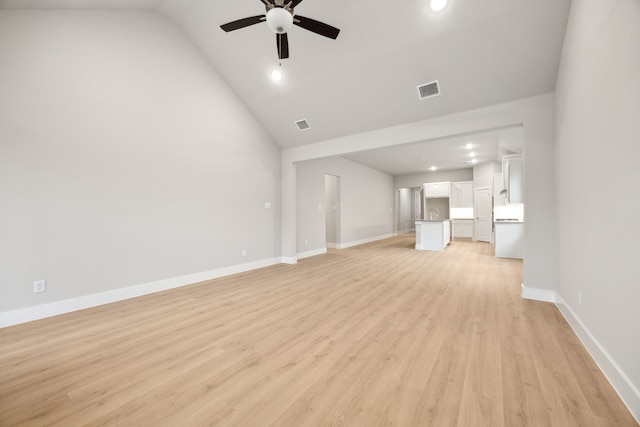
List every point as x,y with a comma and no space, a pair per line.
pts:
482,52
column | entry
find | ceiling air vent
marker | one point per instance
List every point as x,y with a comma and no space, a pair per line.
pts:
429,90
303,125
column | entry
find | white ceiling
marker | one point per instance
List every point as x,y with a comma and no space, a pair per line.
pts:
483,52
81,4
458,152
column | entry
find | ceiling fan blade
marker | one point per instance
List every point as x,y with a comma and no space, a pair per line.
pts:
241,23
294,3
268,3
282,40
316,26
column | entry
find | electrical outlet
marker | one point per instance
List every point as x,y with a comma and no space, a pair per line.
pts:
306,242
244,252
39,286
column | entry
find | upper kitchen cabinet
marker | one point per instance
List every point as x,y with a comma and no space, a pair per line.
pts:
512,176
462,194
437,189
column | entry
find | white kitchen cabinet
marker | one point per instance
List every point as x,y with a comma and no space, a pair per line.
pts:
463,228
437,189
455,199
467,194
512,177
462,194
446,232
509,239
432,235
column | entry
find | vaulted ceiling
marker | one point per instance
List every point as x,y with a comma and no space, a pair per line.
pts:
482,52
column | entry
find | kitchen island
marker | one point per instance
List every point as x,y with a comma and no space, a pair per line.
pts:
432,235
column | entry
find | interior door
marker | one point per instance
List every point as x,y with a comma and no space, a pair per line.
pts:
483,209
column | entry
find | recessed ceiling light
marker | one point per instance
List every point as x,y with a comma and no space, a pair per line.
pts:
276,75
472,154
469,146
438,5
433,168
474,160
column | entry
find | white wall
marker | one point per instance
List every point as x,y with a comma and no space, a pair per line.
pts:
598,164
366,203
538,159
483,174
124,158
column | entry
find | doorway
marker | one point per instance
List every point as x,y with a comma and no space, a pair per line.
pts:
408,208
483,219
417,204
332,210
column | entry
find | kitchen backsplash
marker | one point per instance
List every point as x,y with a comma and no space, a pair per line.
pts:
461,213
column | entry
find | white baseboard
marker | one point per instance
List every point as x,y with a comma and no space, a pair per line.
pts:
311,253
288,260
629,394
28,314
538,294
363,241
331,245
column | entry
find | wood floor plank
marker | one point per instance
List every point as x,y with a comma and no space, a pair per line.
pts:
379,334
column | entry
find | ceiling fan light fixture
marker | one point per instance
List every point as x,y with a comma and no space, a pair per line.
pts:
279,20
276,75
438,5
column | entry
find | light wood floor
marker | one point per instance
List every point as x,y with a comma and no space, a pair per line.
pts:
379,334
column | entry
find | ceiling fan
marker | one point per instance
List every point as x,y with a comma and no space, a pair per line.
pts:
280,17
